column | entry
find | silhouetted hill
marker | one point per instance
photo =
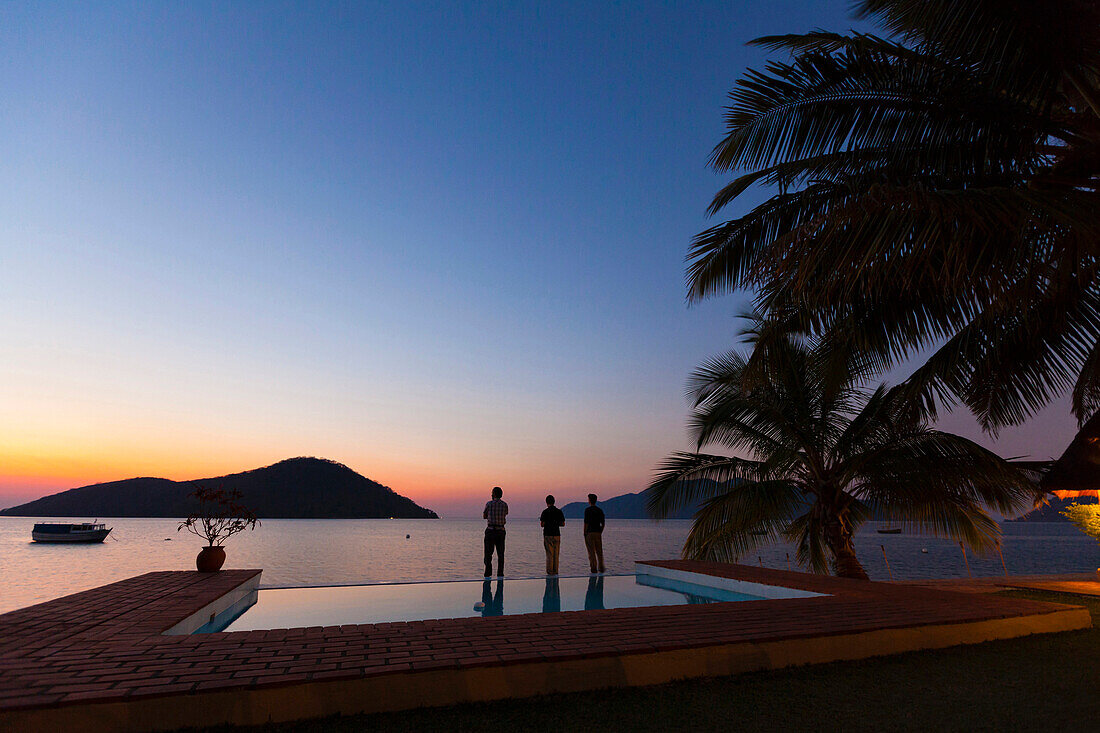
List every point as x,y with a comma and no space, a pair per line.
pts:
624,506
632,506
312,488
1050,512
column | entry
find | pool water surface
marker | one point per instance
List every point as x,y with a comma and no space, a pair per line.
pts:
364,604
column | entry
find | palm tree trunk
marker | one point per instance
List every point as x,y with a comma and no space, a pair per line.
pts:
838,536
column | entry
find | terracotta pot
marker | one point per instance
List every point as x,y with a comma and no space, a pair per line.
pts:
210,560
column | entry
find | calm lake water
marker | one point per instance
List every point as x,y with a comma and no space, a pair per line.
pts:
302,552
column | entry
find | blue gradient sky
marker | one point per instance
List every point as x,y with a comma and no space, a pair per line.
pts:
442,244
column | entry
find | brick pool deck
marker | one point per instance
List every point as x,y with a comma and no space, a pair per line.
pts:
100,660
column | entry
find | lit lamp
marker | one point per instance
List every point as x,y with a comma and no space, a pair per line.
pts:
1077,473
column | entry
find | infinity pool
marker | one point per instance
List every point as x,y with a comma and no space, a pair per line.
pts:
277,608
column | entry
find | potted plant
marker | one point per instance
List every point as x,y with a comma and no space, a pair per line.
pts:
1087,519
220,516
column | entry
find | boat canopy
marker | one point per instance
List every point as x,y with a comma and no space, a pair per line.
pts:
67,528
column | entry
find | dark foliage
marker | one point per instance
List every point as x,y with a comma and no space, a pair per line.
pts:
938,188
826,454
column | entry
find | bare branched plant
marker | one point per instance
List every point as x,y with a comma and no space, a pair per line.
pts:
220,516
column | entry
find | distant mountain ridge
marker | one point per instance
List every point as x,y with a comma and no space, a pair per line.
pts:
624,506
297,488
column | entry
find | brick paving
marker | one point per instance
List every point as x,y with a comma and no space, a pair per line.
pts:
1075,583
107,644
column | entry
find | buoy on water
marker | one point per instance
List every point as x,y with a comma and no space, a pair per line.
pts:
924,550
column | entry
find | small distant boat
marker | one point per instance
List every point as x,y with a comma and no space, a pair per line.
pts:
84,532
890,530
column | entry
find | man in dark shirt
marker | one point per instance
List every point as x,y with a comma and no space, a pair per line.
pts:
593,534
552,520
495,514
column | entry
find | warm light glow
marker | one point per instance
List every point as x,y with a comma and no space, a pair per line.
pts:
1074,494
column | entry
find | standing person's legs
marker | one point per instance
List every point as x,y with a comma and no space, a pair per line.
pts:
552,546
500,551
489,544
598,545
590,546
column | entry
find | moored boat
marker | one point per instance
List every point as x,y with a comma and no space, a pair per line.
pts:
83,532
890,530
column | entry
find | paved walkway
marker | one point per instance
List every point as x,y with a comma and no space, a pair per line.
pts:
101,655
1073,583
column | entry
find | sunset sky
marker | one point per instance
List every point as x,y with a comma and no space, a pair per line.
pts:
444,246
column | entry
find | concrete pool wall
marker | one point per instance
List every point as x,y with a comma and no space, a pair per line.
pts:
100,659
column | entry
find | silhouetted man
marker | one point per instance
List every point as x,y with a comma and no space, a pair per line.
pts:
552,520
496,511
593,534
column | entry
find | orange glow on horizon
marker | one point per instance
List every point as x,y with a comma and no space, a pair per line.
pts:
60,445
450,489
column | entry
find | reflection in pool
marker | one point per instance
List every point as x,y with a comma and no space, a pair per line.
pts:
361,604
492,601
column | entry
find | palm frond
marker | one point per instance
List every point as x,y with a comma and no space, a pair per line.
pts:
827,454
808,534
923,465
932,182
683,479
732,524
1086,391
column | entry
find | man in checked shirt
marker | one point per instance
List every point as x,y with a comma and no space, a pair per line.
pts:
495,513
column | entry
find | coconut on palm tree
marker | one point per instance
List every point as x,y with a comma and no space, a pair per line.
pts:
824,452
936,187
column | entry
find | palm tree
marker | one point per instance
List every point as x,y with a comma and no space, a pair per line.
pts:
938,188
826,454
